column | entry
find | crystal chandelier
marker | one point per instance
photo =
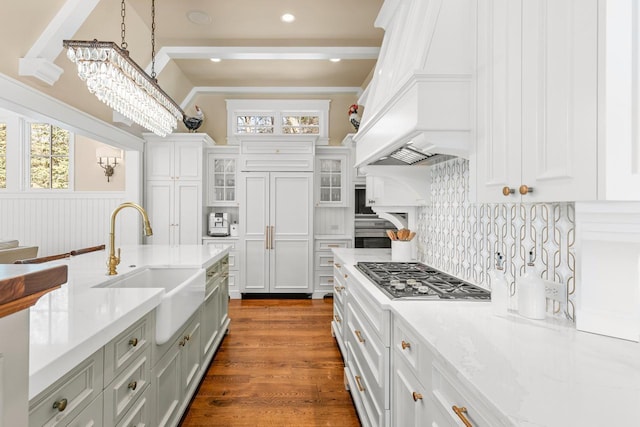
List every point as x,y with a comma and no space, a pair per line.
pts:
115,79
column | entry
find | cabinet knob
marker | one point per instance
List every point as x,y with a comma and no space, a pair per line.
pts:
460,412
508,191
133,342
405,345
60,405
337,318
524,189
416,396
132,385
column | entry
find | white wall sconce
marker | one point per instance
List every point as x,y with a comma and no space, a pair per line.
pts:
108,158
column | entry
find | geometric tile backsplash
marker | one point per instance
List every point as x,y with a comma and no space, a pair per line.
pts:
461,237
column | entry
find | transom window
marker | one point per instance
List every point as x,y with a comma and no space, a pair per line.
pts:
254,124
50,151
301,124
3,155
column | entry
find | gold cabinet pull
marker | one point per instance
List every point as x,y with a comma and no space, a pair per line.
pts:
337,318
132,385
507,191
416,396
359,384
346,276
338,288
329,280
266,237
460,412
273,232
182,343
133,342
187,337
359,335
330,261
60,405
405,345
338,265
524,189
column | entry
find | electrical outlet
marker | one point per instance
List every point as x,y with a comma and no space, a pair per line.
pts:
557,292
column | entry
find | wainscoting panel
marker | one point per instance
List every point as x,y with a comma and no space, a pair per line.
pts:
462,238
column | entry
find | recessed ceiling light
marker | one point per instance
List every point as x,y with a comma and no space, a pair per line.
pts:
216,59
334,59
199,17
288,18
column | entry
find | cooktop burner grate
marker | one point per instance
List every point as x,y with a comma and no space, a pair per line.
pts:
414,280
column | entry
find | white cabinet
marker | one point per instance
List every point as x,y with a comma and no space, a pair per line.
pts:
339,282
14,368
537,101
173,187
277,242
397,185
233,279
324,263
215,319
332,179
222,166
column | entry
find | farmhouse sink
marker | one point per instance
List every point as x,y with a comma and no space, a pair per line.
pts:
184,290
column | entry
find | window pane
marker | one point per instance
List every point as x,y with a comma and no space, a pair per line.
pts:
3,172
40,172
40,139
60,172
59,141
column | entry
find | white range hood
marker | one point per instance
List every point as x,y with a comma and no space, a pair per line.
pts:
422,89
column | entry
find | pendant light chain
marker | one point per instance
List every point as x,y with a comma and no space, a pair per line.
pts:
123,28
153,39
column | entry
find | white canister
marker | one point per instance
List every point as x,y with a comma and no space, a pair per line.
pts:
400,250
233,230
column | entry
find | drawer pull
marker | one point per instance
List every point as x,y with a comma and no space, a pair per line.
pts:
182,343
338,288
133,342
416,396
460,412
338,265
60,405
405,345
358,382
329,280
187,337
337,318
346,276
132,385
359,335
330,261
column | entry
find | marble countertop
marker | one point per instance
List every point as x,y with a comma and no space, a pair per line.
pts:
536,373
70,323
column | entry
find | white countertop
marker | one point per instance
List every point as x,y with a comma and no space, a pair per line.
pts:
536,373
71,323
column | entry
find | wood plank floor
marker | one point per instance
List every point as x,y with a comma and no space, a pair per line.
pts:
279,366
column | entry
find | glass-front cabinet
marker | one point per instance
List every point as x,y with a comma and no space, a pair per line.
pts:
331,180
221,179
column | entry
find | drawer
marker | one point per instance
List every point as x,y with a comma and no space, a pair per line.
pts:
324,259
339,292
448,392
90,416
66,398
338,317
371,310
124,348
232,243
372,355
370,410
324,281
211,286
233,260
408,347
123,392
140,413
327,245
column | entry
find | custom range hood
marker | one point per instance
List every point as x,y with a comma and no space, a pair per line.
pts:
420,98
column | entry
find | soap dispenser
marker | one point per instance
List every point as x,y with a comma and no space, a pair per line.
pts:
499,288
532,302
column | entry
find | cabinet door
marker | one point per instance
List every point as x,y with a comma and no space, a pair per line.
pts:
221,181
191,357
210,320
409,398
559,99
188,216
159,201
167,389
159,160
188,161
291,207
255,215
498,147
331,180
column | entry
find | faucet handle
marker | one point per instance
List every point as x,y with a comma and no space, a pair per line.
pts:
118,257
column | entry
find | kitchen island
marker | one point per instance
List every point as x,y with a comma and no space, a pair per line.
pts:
515,371
72,323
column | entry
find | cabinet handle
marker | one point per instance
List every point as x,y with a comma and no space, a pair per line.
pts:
524,189
329,280
187,337
182,343
416,396
338,265
273,231
132,385
359,335
508,191
330,261
335,316
60,405
133,342
266,237
358,382
346,276
338,288
460,412
405,345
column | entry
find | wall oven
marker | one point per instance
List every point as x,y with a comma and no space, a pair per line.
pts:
369,230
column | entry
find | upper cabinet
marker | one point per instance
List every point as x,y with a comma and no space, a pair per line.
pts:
222,176
332,179
397,186
422,87
174,157
557,101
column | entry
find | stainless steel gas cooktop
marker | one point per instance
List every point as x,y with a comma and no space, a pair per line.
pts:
414,280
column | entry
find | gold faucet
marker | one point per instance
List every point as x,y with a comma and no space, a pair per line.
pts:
113,259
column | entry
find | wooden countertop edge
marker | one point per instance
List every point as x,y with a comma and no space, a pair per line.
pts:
22,291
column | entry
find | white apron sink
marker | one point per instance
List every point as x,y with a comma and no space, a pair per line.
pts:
184,290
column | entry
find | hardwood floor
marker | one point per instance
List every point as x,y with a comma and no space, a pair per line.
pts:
279,366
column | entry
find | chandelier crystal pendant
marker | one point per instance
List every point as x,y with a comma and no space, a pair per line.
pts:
115,79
